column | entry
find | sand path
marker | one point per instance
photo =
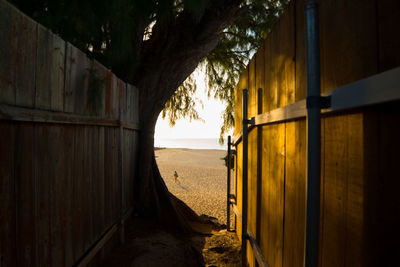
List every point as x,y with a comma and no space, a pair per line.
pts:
201,178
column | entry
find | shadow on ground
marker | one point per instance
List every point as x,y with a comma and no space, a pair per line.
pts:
149,244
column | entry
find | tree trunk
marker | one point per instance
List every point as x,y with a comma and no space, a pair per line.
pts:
168,58
152,196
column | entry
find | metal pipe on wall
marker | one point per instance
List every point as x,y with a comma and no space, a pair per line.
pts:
313,134
244,179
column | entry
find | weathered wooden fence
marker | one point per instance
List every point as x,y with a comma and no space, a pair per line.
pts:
359,204
68,142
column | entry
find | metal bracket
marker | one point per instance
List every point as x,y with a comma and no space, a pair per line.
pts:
320,102
233,151
252,121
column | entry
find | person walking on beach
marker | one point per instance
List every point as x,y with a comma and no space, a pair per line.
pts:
176,177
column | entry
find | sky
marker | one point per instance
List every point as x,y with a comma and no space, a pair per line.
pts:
212,115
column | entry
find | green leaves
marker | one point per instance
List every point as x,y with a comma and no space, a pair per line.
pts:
182,103
115,32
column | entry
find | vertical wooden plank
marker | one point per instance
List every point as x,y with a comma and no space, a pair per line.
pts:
42,166
87,190
25,61
56,179
18,56
57,73
282,69
239,187
50,70
270,92
300,50
7,53
242,84
68,135
295,194
96,89
97,184
252,159
7,196
43,68
347,55
78,230
342,222
272,197
127,159
112,96
76,83
388,19
348,42
107,178
122,97
130,102
25,198
252,90
108,94
135,106
279,90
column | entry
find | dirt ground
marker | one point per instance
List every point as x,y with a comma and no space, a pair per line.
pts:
150,245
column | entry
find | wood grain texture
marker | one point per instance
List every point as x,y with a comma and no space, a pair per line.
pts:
7,53
272,197
56,178
348,46
77,80
242,84
12,113
355,186
43,165
7,195
25,195
300,50
26,32
343,183
59,192
252,161
295,194
111,97
49,71
18,57
239,188
95,103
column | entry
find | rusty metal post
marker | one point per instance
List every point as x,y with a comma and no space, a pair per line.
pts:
244,179
228,184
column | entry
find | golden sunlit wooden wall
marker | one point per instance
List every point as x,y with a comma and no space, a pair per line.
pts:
359,215
61,185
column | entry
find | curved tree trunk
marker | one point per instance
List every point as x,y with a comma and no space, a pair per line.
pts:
167,59
152,196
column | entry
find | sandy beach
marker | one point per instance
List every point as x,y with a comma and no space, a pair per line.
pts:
201,181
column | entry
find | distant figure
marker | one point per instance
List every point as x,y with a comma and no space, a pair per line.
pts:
176,177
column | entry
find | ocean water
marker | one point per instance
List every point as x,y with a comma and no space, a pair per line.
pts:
192,143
